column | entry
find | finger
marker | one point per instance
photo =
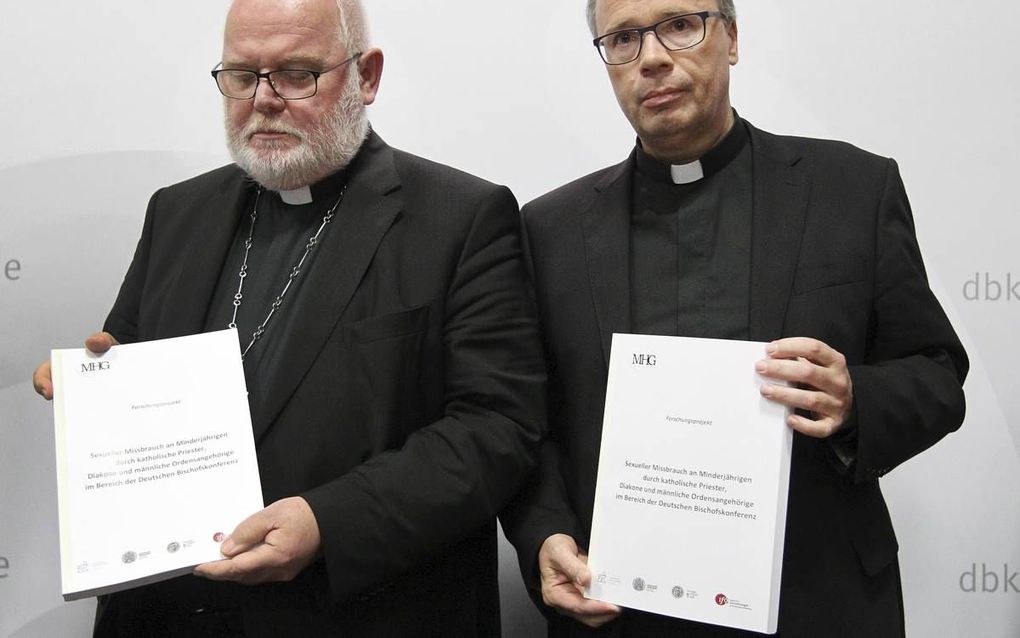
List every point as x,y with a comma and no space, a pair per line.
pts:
597,621
217,570
42,381
571,602
811,349
832,381
814,401
598,608
226,570
814,428
793,370
248,568
249,533
100,342
568,563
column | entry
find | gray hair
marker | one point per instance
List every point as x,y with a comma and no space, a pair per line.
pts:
725,6
353,25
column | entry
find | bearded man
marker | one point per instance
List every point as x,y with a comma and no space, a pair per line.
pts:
390,348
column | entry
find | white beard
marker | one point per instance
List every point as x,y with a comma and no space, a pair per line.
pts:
321,151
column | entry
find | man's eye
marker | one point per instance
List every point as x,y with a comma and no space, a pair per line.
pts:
623,39
680,25
293,78
239,78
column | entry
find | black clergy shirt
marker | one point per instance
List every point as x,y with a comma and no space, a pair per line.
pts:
281,233
690,244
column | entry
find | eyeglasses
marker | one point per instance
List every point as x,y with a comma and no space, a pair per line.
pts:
675,34
289,84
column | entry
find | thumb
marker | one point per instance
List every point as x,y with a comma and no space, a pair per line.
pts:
250,532
582,575
566,560
42,380
100,342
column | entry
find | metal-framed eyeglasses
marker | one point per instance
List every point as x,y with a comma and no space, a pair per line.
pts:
674,33
288,84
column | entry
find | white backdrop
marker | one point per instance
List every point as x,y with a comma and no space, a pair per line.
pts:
106,100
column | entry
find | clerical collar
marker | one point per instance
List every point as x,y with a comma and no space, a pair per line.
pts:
325,190
297,196
709,164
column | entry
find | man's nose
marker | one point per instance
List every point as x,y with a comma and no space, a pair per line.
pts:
653,53
266,97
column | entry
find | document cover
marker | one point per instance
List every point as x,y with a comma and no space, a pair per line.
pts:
694,470
155,459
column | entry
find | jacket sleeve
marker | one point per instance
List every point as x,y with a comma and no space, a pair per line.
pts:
542,507
122,322
540,510
908,391
451,476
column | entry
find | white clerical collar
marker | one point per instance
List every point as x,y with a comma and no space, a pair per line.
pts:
687,173
297,196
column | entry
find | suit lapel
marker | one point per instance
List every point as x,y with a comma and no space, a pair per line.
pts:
781,191
606,224
365,214
187,302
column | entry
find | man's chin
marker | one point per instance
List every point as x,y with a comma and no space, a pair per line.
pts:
269,147
269,159
277,175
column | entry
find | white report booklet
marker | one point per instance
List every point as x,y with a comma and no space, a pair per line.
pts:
693,477
155,459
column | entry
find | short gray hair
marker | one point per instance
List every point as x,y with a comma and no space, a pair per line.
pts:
725,6
353,25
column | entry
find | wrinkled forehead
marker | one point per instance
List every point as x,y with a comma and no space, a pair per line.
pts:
611,15
267,32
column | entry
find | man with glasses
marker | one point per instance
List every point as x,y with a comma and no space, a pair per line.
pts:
713,228
390,347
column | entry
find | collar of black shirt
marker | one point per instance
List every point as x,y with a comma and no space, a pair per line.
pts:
711,162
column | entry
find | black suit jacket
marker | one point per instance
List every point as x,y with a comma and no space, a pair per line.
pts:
834,257
409,405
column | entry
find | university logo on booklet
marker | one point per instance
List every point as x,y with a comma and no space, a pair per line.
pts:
721,599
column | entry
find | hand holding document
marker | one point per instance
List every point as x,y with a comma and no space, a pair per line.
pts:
155,459
690,504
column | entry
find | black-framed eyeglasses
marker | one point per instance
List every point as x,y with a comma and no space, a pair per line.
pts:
289,84
674,33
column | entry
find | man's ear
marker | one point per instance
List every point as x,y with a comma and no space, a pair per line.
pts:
731,29
370,67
